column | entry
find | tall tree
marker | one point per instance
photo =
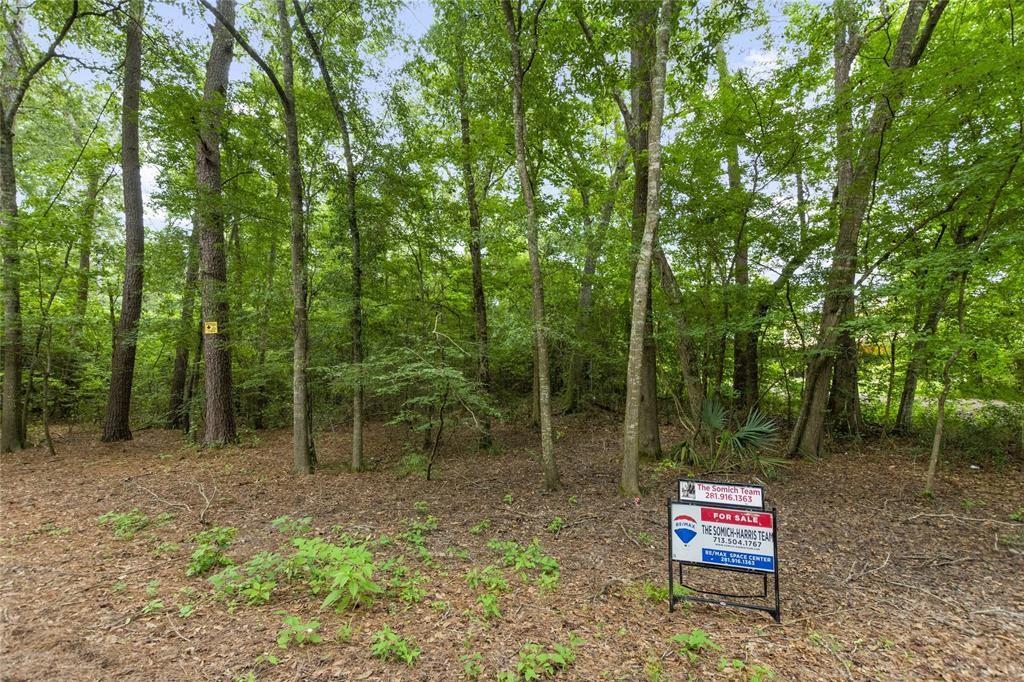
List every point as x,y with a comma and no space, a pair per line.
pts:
514,25
177,409
122,371
475,247
219,420
630,481
351,179
643,58
15,78
852,205
303,453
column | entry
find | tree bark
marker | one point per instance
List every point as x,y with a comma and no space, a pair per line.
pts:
476,257
852,203
177,410
596,236
115,423
303,460
631,448
219,413
684,344
356,320
514,28
641,56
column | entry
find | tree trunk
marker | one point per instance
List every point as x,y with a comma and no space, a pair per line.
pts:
356,321
933,461
852,203
641,57
219,413
596,236
684,344
844,396
11,439
514,28
303,460
476,258
631,447
177,410
92,191
115,423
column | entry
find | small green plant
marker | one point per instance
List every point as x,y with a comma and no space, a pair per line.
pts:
1018,515
528,558
295,631
125,524
488,602
421,507
573,499
152,586
557,524
164,548
153,606
410,587
291,526
694,643
536,663
754,672
508,499
654,670
186,610
471,665
479,528
343,634
344,573
489,578
209,551
119,586
655,594
644,538
389,646
410,464
255,592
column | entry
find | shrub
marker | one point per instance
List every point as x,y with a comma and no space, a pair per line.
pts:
125,524
388,646
344,573
209,552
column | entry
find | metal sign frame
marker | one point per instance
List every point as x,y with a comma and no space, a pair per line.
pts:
775,612
763,506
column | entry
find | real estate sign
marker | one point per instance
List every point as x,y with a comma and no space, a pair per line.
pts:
734,494
722,537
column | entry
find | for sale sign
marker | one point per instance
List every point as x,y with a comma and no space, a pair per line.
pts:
733,494
723,537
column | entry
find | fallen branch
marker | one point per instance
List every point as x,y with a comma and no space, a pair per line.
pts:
964,519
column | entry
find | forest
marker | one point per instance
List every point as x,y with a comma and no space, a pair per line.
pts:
365,339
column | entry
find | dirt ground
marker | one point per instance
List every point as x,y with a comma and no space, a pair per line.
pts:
877,582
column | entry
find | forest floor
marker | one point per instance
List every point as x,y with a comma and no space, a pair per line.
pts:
877,581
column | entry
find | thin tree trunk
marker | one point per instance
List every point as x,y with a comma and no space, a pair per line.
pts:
92,190
684,344
356,321
475,255
596,236
46,391
262,397
933,461
641,67
115,423
219,412
514,28
630,482
302,445
177,409
852,205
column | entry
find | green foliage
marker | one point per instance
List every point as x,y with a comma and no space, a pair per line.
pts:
209,551
125,524
345,574
410,464
388,646
295,631
489,578
694,643
557,524
489,605
291,526
153,606
479,528
528,558
536,662
472,667
755,672
745,444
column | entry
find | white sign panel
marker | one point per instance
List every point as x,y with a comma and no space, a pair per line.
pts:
751,496
726,538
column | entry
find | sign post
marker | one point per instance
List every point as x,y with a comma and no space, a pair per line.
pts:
725,527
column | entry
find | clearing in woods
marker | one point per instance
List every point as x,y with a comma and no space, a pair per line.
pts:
877,582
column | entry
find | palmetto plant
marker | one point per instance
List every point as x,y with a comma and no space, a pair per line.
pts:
732,445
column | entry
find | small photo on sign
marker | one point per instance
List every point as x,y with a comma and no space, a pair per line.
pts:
209,327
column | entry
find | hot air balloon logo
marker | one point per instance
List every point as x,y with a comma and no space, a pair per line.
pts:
685,528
